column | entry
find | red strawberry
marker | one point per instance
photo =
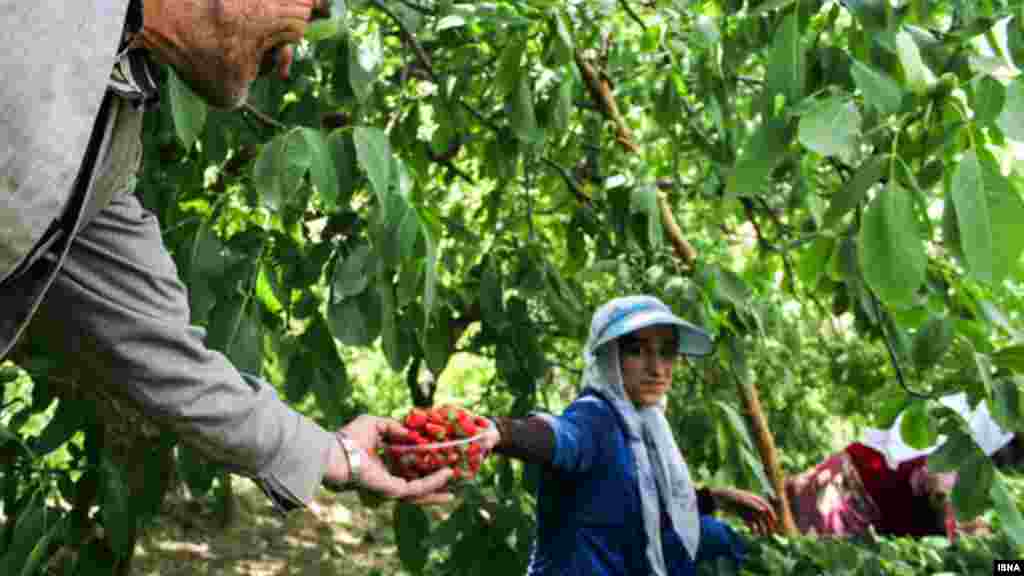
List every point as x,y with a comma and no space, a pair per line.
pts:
435,431
466,428
456,473
473,450
453,456
416,418
481,422
417,438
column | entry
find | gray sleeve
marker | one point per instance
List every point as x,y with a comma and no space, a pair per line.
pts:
118,311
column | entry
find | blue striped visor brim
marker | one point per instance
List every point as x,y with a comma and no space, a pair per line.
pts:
693,341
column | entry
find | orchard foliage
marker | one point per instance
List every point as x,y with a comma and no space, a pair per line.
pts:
829,187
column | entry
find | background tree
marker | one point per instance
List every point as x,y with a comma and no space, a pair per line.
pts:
830,187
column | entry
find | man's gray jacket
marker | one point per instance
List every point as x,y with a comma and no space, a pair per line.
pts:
102,291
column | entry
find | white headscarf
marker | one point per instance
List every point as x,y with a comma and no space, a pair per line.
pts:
662,474
989,436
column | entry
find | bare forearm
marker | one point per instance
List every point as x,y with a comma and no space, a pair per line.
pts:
528,439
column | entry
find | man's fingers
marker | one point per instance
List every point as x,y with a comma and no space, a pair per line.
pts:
433,499
284,56
428,484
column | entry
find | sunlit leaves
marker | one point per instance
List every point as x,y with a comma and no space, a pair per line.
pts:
353,273
365,56
644,200
764,149
917,75
971,199
892,254
879,90
786,73
916,428
1009,513
989,99
1011,119
522,116
831,128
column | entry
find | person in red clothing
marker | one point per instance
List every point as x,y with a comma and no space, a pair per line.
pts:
885,484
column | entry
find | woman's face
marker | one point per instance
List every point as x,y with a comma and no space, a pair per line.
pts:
646,357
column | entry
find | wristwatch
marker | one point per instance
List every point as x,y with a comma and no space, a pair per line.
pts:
354,454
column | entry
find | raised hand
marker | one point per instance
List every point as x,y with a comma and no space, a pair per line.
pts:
218,46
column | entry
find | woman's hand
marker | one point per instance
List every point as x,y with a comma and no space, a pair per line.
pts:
755,510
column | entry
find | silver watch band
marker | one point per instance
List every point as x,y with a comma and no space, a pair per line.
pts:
354,455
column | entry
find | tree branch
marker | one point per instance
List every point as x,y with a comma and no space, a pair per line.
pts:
600,92
264,118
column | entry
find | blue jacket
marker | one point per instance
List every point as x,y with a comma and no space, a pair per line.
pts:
589,516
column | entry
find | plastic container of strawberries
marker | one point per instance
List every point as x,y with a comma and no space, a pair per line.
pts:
421,457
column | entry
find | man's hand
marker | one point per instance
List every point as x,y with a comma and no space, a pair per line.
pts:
369,433
755,511
218,46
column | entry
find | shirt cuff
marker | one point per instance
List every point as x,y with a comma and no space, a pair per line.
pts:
292,479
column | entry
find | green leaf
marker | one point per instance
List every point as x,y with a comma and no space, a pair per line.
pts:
668,106
869,172
348,323
813,264
1007,212
343,153
1007,403
374,153
364,58
559,122
31,526
880,91
412,530
932,341
762,152
331,386
989,98
561,51
119,519
509,67
352,275
973,220
281,166
1010,358
66,421
431,229
644,200
918,77
916,428
388,314
1011,119
786,71
892,254
435,343
187,109
974,480
1010,518
321,170
831,128
522,117
238,333
957,448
